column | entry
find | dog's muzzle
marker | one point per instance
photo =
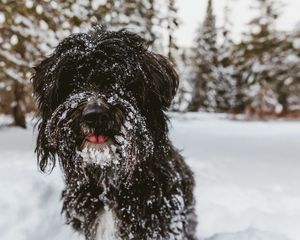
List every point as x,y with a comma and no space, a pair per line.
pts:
100,121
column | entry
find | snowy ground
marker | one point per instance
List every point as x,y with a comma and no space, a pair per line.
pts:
247,174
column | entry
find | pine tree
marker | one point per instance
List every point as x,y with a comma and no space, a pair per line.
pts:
178,56
226,82
264,103
172,26
254,55
204,91
293,60
288,73
186,70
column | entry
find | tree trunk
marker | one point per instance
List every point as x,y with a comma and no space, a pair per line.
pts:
198,96
195,104
18,105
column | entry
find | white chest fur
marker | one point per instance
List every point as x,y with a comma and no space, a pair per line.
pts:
107,228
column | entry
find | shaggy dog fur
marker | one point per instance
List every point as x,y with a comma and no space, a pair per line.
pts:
102,98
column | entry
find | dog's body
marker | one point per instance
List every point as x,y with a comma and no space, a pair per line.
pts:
102,97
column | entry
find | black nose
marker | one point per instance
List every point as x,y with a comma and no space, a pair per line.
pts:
93,113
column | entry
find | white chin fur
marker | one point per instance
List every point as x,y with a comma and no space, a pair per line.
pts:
107,228
100,154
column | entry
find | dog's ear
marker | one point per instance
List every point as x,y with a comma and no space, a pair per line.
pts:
162,80
42,86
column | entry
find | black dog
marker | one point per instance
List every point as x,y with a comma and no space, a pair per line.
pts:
101,99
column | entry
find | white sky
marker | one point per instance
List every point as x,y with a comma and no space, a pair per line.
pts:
192,12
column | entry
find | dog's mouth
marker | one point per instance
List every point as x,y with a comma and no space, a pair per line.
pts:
96,139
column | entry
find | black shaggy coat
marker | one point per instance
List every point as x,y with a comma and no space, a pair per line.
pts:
146,182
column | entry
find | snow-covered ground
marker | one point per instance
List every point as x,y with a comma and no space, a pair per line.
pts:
247,175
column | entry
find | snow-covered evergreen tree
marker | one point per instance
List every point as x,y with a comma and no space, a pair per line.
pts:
286,68
186,71
204,89
255,54
180,57
264,101
226,82
172,26
293,59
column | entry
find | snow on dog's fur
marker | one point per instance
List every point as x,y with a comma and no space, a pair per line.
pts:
101,99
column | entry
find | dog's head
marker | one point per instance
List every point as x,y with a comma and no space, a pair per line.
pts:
102,94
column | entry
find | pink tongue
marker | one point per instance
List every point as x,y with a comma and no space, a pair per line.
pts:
96,139
101,138
92,138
